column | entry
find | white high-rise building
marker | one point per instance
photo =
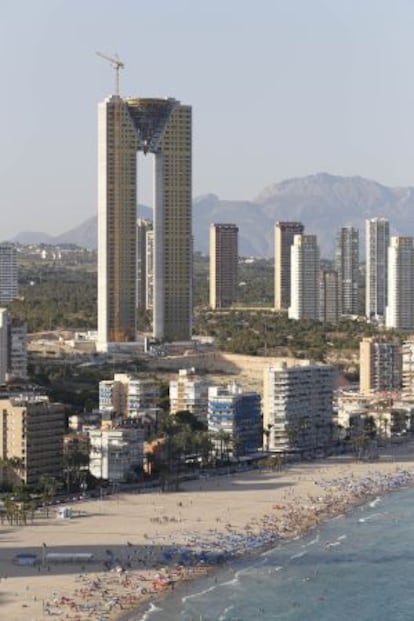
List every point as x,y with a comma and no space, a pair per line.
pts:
347,266
161,127
400,305
304,296
377,236
8,272
284,234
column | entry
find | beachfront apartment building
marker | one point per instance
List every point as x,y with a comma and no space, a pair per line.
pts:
234,419
379,365
297,406
116,454
407,371
31,431
188,392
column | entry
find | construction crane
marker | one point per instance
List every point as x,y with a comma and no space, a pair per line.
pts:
117,65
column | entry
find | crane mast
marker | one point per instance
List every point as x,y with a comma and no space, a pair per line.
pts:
117,64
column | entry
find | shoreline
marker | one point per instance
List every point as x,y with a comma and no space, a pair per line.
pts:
148,545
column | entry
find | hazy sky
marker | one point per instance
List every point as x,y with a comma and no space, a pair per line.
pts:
279,88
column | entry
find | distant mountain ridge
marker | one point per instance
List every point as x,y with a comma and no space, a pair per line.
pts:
323,202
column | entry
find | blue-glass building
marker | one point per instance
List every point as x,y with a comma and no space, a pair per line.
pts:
234,418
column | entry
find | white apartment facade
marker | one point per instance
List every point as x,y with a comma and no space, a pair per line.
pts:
116,454
400,298
297,406
189,392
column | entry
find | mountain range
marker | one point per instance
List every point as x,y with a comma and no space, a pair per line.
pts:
323,202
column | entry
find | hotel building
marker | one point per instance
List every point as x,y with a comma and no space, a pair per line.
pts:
32,430
297,406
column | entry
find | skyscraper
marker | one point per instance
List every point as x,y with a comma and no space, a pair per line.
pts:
161,127
377,231
400,302
224,257
347,266
284,233
328,296
8,272
304,297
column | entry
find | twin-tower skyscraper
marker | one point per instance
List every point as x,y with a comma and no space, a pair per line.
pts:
162,127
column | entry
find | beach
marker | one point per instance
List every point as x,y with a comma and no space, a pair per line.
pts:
141,546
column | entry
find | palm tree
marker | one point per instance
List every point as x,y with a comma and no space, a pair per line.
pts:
10,468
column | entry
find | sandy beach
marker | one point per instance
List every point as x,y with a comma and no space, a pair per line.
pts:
144,544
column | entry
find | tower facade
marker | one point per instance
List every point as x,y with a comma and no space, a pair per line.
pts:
161,127
328,296
347,266
304,297
224,257
400,298
377,237
284,234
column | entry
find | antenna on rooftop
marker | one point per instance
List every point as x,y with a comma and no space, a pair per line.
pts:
116,64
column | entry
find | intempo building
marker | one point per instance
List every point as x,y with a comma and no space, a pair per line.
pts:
161,127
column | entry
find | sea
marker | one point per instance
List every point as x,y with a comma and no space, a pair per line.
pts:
358,566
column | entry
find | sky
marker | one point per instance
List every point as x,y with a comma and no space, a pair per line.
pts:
279,89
